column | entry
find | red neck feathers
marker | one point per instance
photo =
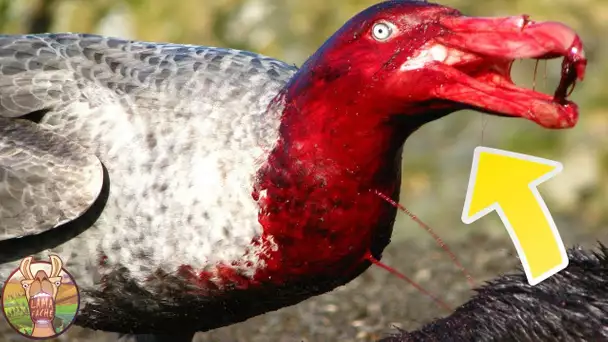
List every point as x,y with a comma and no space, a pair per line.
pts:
315,192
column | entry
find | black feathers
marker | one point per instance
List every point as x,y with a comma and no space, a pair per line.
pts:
570,306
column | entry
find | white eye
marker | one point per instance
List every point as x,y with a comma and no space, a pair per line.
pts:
381,31
57,283
25,286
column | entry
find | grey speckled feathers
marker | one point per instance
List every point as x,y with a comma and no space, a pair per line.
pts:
143,153
48,71
45,179
181,130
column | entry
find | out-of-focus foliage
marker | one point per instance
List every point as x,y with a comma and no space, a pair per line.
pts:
437,157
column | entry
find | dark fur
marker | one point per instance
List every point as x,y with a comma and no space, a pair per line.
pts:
570,306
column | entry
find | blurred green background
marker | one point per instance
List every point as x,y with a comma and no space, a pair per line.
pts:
437,158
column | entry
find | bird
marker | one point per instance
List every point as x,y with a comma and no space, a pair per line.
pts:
190,187
571,305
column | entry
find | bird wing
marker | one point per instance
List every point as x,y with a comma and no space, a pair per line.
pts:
45,179
49,177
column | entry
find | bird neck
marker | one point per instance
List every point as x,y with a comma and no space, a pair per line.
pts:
317,190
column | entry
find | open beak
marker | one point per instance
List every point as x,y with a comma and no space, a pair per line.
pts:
476,55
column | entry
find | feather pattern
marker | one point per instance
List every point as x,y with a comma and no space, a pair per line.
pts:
181,130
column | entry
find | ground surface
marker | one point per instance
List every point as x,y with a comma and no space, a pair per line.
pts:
368,307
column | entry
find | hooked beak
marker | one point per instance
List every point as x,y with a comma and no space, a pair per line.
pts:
476,55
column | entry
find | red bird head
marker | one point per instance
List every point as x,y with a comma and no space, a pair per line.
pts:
414,57
348,110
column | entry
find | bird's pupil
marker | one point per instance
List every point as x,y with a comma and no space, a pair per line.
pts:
380,32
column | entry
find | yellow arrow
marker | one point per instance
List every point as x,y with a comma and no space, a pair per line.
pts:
506,182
